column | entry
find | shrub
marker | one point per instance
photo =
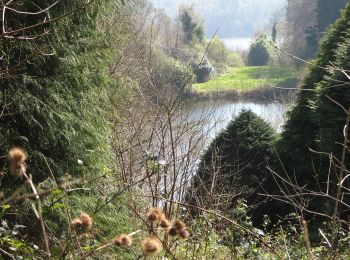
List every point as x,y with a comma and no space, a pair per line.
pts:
260,51
234,59
235,161
219,54
203,71
170,73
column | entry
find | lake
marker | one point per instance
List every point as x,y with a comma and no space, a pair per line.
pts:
237,43
196,123
216,115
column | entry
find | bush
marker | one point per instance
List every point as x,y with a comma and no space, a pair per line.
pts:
170,73
237,158
234,59
219,54
203,71
260,52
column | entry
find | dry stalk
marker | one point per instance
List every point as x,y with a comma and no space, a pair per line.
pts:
307,240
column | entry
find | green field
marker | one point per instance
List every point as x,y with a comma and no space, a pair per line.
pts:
250,78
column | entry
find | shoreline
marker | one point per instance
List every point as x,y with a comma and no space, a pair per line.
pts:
264,94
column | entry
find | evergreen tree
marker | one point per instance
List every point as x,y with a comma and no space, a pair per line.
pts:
53,94
191,24
238,156
316,122
307,21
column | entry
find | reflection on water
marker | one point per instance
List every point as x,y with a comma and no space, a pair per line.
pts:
215,115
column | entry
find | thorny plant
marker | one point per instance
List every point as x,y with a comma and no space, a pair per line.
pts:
157,224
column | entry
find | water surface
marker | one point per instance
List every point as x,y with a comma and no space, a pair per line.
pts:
216,115
237,43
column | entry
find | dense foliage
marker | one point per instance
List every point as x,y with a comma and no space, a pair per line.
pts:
192,25
220,55
260,52
234,165
49,93
314,129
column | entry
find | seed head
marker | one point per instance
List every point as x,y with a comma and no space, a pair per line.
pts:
183,233
178,225
172,232
164,222
154,214
17,155
86,221
18,169
151,246
123,240
76,223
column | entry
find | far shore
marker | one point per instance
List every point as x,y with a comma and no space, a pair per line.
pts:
262,94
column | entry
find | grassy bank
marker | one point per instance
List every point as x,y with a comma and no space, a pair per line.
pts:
245,79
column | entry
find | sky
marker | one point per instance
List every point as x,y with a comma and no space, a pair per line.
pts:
234,18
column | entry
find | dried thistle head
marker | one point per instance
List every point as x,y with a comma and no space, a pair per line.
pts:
151,246
17,155
76,223
164,222
123,240
183,233
154,214
86,221
178,225
18,169
172,232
